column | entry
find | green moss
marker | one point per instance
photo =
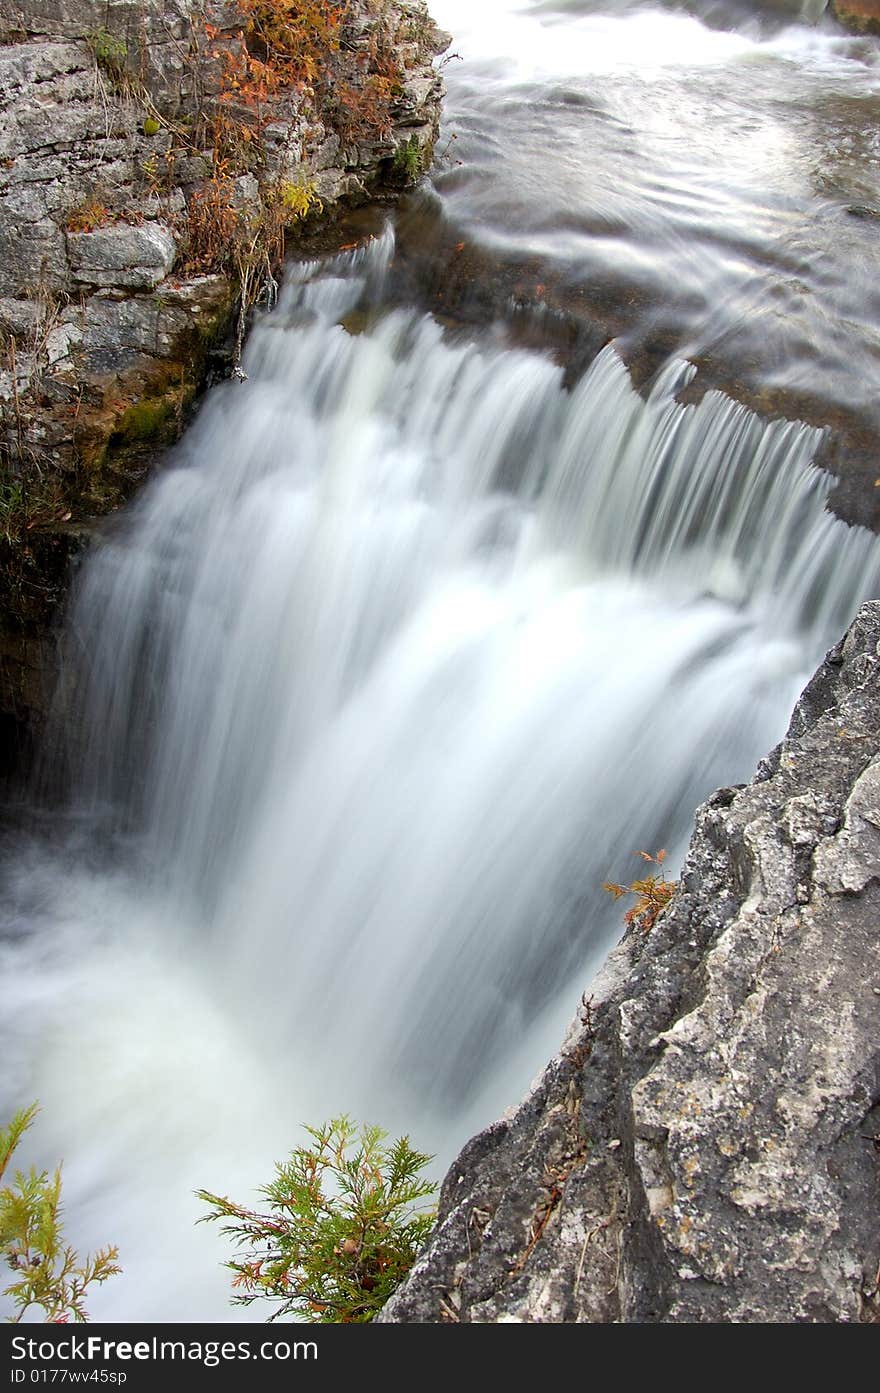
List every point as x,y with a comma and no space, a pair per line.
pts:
409,161
145,420
113,458
110,53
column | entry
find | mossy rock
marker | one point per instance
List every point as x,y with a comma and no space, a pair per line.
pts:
859,16
151,421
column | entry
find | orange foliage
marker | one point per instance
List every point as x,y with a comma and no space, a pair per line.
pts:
652,892
296,45
212,225
88,216
282,44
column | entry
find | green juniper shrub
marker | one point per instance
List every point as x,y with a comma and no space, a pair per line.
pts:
47,1272
342,1229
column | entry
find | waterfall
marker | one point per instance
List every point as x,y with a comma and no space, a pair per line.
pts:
412,646
406,651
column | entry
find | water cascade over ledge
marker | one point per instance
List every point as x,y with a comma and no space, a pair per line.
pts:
408,650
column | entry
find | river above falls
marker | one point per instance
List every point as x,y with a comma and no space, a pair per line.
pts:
709,192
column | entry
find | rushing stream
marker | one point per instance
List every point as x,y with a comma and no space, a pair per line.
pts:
418,637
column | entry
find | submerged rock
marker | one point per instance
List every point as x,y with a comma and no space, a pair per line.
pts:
706,1145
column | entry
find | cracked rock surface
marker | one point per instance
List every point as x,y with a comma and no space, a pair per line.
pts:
706,1145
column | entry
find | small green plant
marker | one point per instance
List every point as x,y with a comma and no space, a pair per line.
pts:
652,893
408,160
299,200
343,1229
47,1272
109,52
11,507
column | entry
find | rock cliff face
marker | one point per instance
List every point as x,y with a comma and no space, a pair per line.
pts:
150,161
706,1146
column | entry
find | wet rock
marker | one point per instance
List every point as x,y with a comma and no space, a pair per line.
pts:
704,1146
860,16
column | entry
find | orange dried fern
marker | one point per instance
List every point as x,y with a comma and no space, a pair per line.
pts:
652,893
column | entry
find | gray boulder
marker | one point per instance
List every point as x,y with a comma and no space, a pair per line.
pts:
123,254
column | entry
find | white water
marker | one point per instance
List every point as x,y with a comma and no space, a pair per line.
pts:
410,651
412,647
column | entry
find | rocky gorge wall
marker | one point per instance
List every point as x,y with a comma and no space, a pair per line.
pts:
155,156
706,1144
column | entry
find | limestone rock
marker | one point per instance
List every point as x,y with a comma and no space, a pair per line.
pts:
123,255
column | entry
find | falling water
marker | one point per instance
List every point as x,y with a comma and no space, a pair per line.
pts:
408,649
